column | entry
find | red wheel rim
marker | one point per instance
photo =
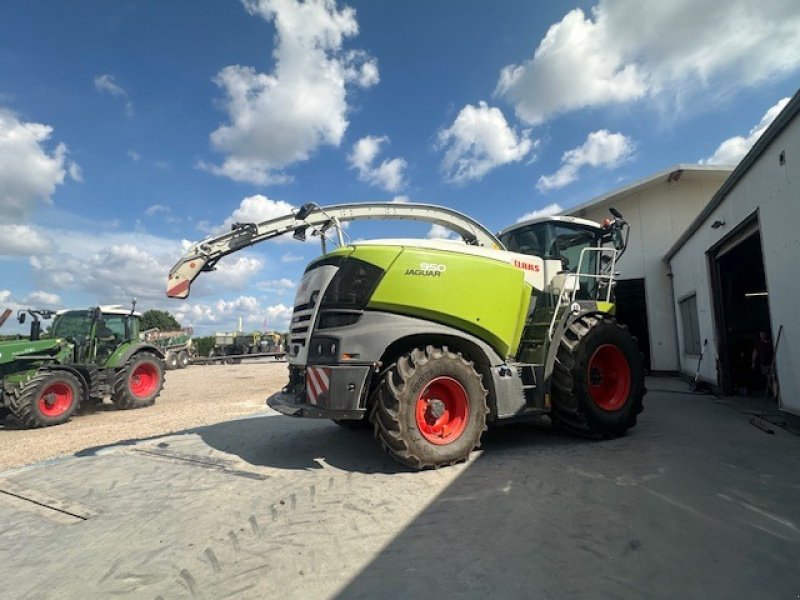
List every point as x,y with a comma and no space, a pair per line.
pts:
442,411
56,399
144,380
609,377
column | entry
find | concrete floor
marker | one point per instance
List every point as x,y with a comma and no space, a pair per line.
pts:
694,503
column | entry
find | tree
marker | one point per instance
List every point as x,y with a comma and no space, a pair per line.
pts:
160,319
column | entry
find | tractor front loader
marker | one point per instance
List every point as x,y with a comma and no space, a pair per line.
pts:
87,354
430,341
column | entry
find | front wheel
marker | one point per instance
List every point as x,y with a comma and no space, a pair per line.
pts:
430,408
598,378
48,398
139,382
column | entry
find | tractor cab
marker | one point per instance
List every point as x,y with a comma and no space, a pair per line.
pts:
96,332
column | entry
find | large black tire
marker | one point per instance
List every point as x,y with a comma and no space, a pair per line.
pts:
598,378
183,359
139,382
48,398
411,414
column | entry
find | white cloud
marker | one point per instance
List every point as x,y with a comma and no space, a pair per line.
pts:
254,209
276,286
732,150
546,211
157,208
402,199
23,240
224,314
134,156
106,84
387,175
43,299
440,232
279,118
627,50
479,140
288,257
29,174
601,149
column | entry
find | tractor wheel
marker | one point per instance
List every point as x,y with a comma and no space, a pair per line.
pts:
183,359
598,378
172,361
48,398
430,409
139,382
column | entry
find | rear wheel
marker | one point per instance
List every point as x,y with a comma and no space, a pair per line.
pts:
171,361
183,359
48,398
139,382
430,409
598,378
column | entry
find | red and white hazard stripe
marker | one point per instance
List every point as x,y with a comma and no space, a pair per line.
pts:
318,381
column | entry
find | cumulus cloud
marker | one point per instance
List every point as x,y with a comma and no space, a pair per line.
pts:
479,140
29,173
387,175
23,240
440,232
402,199
134,156
224,314
601,149
43,299
279,118
626,50
153,210
732,150
254,209
106,84
546,211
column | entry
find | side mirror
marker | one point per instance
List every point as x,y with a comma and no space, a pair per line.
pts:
619,241
21,318
300,234
96,313
615,212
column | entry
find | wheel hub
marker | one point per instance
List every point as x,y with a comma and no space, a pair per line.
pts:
609,377
435,408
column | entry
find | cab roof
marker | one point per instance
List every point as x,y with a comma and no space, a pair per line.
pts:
552,218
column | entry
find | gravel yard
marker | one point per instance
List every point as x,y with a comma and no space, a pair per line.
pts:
198,395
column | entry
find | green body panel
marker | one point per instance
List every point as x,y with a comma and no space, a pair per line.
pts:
116,357
481,296
12,350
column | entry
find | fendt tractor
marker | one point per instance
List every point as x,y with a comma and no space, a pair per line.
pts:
431,341
85,356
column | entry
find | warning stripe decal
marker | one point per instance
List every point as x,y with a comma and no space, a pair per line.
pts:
317,382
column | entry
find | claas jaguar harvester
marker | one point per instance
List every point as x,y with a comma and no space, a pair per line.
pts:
430,341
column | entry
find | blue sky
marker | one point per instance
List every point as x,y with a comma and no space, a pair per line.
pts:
128,127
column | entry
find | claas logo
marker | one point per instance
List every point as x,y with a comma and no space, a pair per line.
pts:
526,266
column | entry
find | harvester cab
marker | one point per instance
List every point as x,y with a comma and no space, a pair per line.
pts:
429,341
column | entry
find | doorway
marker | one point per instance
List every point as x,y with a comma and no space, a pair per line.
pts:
741,306
631,303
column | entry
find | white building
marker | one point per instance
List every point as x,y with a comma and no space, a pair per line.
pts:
736,269
659,209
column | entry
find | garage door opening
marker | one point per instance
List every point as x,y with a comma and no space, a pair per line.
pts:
741,302
631,302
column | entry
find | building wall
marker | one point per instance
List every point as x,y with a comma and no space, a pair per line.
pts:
658,215
774,191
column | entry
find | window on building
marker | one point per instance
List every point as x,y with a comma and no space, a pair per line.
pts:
691,327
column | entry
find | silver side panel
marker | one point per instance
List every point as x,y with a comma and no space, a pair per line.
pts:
306,306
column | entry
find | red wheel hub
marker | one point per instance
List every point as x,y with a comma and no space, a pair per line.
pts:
144,380
56,399
609,377
442,410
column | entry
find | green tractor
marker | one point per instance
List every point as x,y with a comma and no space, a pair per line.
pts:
430,341
85,356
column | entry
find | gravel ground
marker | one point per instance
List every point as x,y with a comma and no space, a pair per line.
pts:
198,395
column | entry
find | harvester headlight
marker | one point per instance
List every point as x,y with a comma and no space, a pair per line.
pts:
352,286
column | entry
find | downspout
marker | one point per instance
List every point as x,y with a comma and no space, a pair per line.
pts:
671,278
